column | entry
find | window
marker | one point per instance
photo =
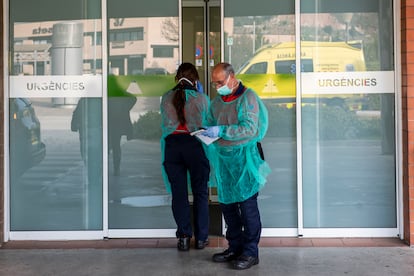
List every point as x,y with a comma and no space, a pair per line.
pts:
163,51
127,34
257,68
91,36
289,66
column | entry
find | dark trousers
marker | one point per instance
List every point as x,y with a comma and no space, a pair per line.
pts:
184,154
243,226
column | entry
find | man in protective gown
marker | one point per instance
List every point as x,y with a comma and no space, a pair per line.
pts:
239,118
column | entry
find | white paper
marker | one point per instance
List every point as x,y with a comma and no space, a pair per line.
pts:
205,139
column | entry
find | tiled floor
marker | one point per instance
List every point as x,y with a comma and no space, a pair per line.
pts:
215,242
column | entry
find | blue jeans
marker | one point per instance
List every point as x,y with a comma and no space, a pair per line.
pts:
185,154
243,226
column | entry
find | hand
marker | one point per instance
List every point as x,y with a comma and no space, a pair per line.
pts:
199,87
212,132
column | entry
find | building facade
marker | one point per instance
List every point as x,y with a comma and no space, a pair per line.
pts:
81,89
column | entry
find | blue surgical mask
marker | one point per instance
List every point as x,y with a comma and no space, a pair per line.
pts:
225,90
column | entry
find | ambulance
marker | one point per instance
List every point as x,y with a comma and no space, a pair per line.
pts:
271,72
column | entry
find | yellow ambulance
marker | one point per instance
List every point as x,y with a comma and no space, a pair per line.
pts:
271,71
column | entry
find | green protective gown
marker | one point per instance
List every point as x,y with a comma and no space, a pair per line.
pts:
237,169
196,109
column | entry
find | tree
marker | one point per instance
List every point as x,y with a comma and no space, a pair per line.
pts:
169,29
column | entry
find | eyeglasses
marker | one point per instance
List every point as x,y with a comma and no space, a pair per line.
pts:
217,84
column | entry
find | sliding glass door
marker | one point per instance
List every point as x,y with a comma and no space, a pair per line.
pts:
348,102
85,81
55,118
325,70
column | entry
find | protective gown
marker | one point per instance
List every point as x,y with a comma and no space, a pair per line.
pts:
237,169
195,110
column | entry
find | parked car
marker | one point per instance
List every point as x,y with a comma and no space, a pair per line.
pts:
26,147
155,71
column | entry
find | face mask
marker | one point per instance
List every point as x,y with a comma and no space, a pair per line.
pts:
186,80
225,90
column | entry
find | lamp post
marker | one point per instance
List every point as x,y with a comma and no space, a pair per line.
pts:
347,18
254,33
254,36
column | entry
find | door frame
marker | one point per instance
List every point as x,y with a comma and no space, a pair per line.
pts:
266,232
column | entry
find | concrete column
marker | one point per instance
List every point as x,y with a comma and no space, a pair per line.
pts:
66,53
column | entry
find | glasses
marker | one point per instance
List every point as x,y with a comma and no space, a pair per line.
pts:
217,84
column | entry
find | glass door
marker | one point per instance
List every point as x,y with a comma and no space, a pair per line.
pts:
143,54
325,69
201,37
55,119
84,120
348,122
252,34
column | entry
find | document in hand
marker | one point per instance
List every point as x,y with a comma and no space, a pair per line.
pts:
205,139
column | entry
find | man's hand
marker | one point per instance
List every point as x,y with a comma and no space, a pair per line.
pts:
212,132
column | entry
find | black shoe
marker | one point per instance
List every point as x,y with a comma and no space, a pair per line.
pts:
245,262
183,244
201,244
225,256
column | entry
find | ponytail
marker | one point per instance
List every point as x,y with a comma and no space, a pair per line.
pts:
179,103
187,75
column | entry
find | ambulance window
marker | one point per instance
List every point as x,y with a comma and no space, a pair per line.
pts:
257,68
307,65
289,66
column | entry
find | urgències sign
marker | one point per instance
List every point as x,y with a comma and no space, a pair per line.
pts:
55,86
377,82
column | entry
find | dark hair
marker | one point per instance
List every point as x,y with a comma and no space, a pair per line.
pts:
188,71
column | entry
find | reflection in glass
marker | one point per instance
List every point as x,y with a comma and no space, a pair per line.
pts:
348,167
249,45
63,190
57,48
119,124
143,55
27,149
56,167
